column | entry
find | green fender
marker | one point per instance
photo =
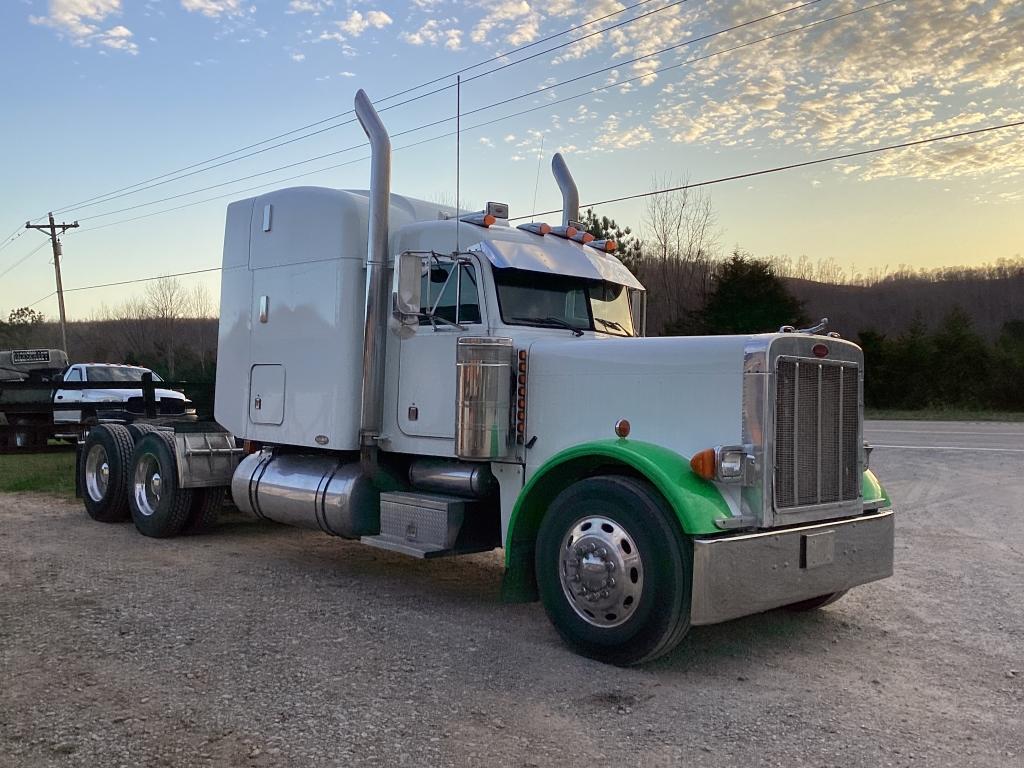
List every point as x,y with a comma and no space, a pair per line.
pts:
873,493
696,502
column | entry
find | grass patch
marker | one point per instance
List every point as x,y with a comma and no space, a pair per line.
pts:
43,472
943,414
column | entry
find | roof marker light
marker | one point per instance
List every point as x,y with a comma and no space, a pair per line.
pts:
583,237
608,246
567,232
481,219
537,228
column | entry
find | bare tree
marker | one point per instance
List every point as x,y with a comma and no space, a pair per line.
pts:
165,299
681,240
199,307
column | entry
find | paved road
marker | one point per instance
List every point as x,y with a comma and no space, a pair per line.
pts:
986,437
263,646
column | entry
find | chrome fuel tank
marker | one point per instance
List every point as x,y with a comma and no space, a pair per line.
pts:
308,491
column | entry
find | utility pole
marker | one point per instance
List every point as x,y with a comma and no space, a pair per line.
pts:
57,251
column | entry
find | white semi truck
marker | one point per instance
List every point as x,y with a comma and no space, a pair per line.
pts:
435,384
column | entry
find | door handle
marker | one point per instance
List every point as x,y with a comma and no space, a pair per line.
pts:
60,397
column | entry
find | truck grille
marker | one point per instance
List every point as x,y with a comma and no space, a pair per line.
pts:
817,435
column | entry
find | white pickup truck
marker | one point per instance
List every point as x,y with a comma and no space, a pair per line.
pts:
107,404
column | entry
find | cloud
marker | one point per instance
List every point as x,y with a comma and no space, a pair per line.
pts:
79,21
893,74
298,57
502,14
486,142
213,8
357,23
436,32
315,7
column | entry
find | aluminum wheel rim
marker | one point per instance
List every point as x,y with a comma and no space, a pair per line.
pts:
148,485
601,572
97,473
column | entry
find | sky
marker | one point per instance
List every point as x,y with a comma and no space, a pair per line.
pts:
100,95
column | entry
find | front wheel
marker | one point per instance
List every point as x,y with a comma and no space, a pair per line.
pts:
614,570
814,603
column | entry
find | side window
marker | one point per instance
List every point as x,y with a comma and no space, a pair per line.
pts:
462,286
75,374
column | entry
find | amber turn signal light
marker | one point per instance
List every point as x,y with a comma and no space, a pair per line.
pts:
703,464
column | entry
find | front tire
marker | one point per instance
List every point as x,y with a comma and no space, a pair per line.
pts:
614,570
159,507
812,604
105,469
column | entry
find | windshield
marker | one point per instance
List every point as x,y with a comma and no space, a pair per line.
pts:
119,373
562,301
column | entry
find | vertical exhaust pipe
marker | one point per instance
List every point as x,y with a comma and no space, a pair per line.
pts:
372,409
570,195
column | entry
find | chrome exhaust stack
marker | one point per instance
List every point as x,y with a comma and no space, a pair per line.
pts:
570,195
372,408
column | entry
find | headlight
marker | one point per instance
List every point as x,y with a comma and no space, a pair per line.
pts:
725,463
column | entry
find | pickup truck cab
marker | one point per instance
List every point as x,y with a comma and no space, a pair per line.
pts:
108,404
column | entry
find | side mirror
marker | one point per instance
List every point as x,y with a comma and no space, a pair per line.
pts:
408,280
58,379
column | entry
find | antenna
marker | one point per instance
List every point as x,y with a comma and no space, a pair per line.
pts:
458,150
536,183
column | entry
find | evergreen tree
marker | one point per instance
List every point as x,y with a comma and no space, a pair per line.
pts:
603,228
747,297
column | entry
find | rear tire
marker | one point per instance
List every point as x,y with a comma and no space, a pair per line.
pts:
138,431
614,570
159,507
105,469
814,603
206,504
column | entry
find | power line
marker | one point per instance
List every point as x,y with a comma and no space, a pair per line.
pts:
535,92
789,167
547,105
24,258
679,188
40,301
18,232
194,168
142,279
496,57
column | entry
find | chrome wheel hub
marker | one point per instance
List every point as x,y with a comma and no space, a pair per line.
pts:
601,571
148,485
97,473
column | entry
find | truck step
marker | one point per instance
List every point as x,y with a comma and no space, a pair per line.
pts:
422,524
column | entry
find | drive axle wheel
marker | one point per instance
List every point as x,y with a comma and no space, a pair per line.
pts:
159,507
614,570
105,466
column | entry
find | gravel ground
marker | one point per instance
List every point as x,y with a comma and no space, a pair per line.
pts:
259,645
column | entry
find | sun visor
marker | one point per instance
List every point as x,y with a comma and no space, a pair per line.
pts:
558,256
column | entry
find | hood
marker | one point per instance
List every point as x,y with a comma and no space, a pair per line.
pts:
684,393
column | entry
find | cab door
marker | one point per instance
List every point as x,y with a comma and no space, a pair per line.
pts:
450,308
67,396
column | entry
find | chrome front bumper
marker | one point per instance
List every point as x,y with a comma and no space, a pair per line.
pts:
737,576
